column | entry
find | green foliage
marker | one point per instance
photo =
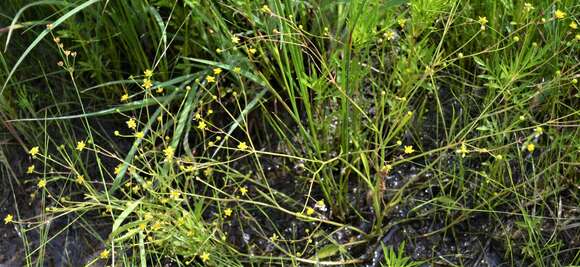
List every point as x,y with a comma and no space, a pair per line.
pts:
245,133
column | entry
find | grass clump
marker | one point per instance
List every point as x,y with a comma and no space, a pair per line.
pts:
238,133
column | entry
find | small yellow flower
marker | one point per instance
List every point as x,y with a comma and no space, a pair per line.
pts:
559,14
463,150
227,212
483,21
399,142
131,123
320,205
30,169
174,194
499,157
573,25
252,51
235,39
202,125
409,149
80,179
242,146
528,7
8,219
204,257
169,151
148,73
578,37
210,79
147,84
309,211
266,9
217,71
33,151
387,168
531,147
42,183
104,254
274,237
244,190
538,131
118,169
237,69
402,22
124,98
139,135
159,90
390,35
81,145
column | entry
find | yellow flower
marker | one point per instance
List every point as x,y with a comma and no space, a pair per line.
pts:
104,254
244,190
124,98
235,39
147,84
159,90
578,37
33,151
237,69
174,194
217,71
8,219
538,131
242,146
559,14
227,212
320,205
265,9
139,135
81,145
30,169
80,179
483,21
131,123
169,151
118,169
274,237
387,168
148,73
42,183
499,157
252,51
210,79
463,150
528,7
409,149
531,147
202,125
309,211
402,22
204,257
390,35
573,25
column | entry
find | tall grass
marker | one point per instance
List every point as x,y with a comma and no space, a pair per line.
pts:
237,133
